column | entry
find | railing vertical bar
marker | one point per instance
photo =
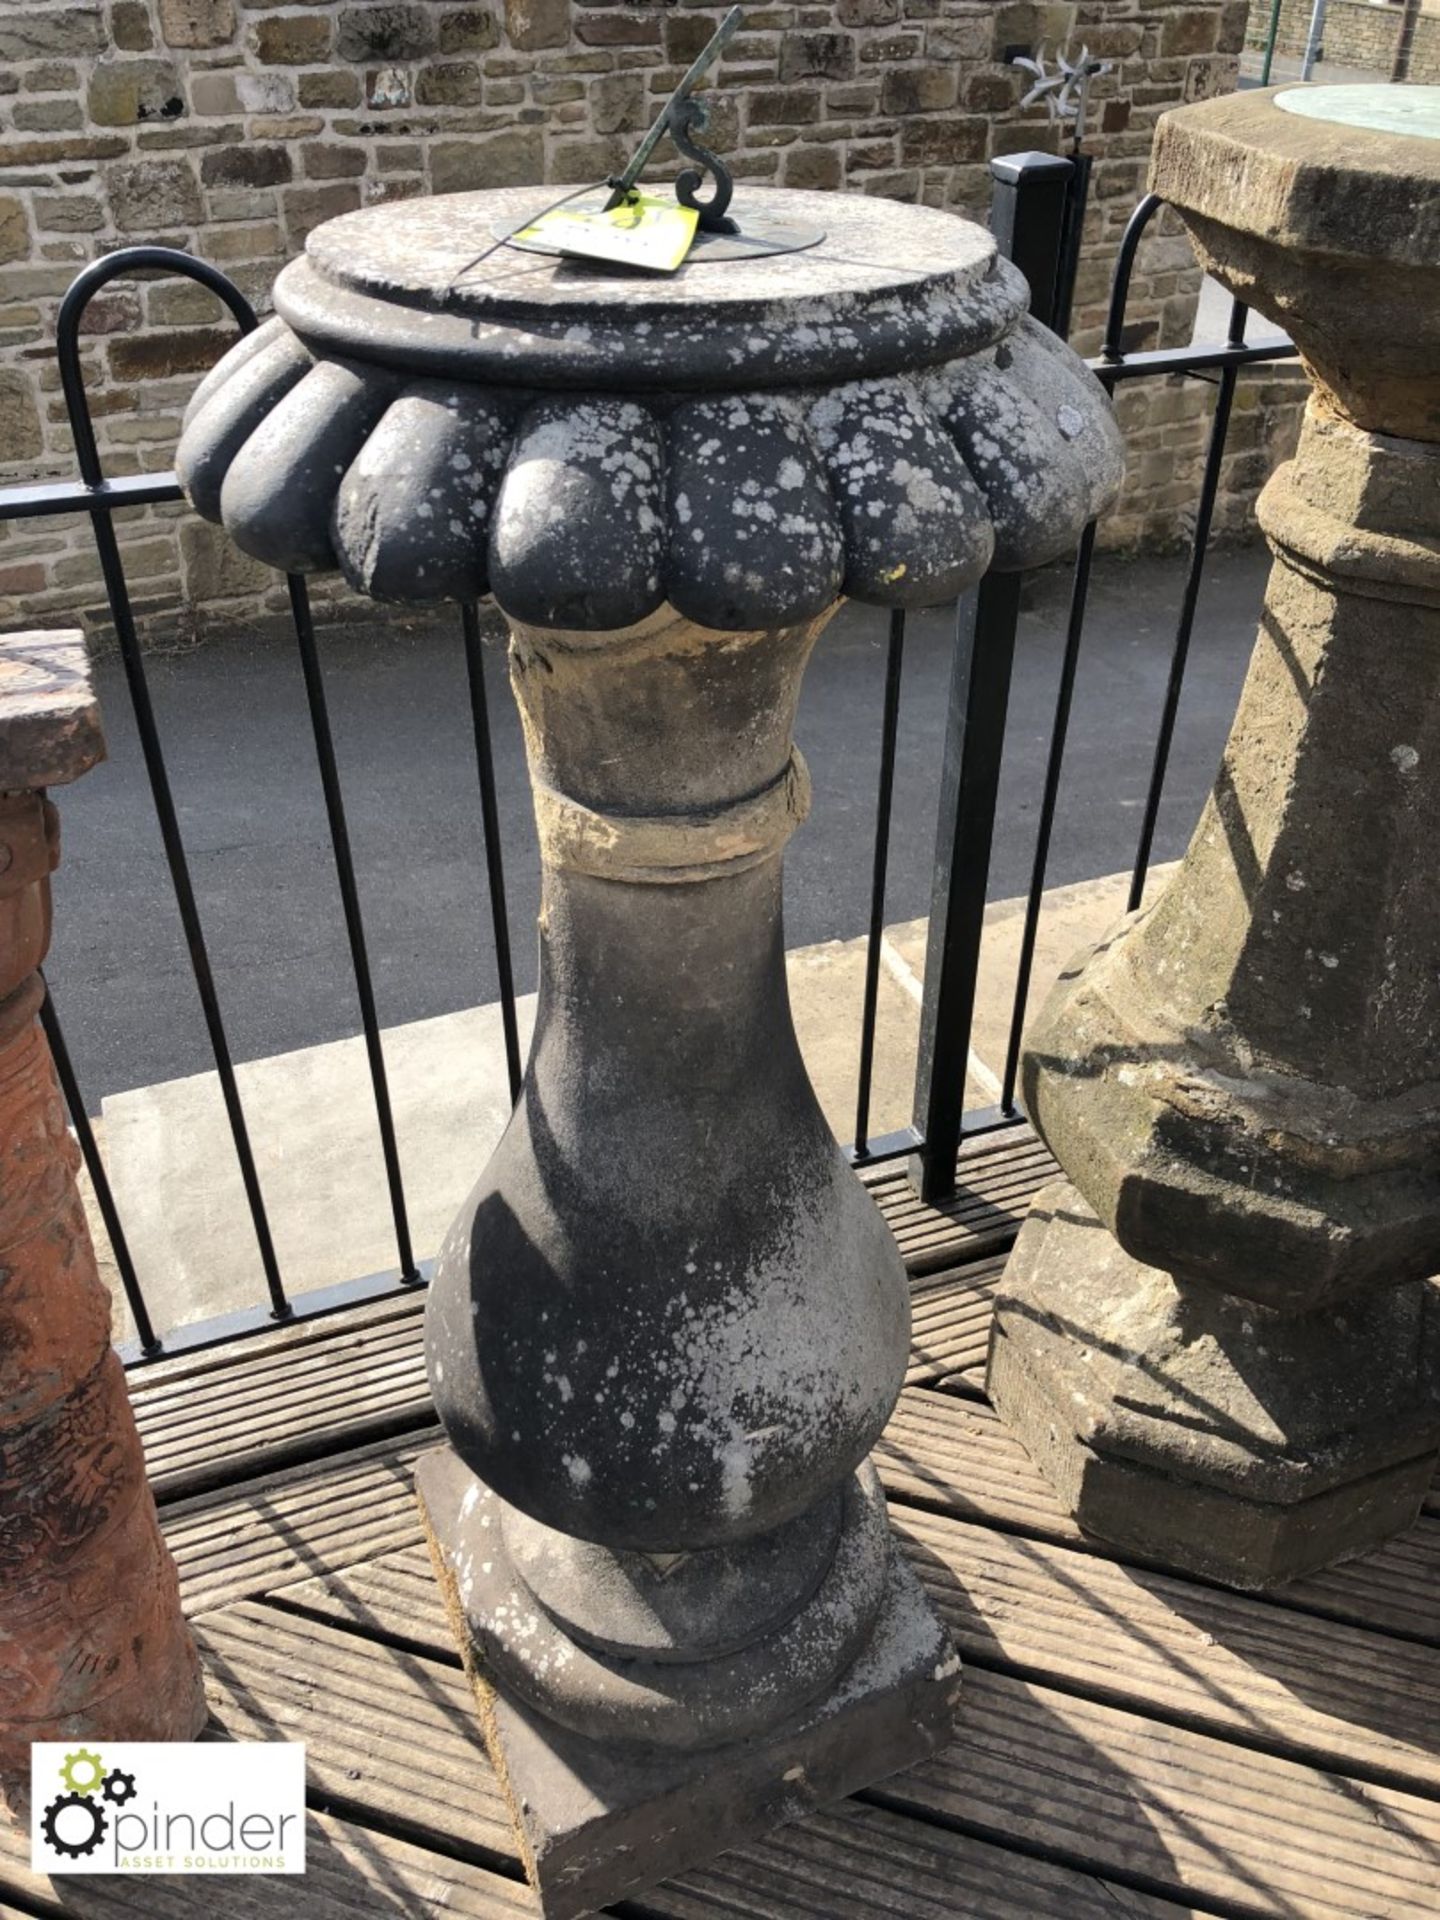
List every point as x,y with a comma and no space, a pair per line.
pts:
354,919
99,1178
1059,734
67,351
1204,513
494,858
133,663
879,866
1113,345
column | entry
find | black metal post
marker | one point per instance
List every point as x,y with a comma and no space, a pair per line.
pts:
1028,213
880,861
1077,199
1029,216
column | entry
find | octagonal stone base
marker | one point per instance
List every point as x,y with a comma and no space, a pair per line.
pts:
1194,1428
596,1820
1281,1189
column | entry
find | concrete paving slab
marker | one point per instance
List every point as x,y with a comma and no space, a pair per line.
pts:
312,1123
1072,919
317,1148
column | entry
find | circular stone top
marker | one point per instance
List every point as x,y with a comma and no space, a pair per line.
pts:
877,417
424,284
1383,107
1325,217
1308,178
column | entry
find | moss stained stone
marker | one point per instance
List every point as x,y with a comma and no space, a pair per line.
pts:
1242,1082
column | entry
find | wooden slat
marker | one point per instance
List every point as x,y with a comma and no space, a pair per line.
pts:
950,1322
350,1870
283,1396
392,1737
994,1172
229,1414
203,1366
996,1180
1186,1813
947,1454
1222,1663
366,1713
957,1457
864,1861
235,1543
1114,1793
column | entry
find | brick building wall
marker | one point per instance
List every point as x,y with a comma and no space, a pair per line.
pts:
232,127
1365,34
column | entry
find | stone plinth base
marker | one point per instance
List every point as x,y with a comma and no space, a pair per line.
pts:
596,1820
1202,1431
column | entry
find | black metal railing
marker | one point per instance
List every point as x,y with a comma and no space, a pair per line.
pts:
1035,214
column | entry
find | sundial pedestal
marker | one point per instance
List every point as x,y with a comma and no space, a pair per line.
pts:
1219,1337
669,1323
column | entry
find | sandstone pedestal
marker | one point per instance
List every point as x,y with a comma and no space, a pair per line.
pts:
1220,1338
668,1324
92,1642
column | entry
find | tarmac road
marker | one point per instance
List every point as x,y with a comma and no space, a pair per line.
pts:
243,771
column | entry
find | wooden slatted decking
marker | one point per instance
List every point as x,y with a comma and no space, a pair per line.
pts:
1132,1744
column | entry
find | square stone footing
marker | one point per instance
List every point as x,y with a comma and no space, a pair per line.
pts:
595,1822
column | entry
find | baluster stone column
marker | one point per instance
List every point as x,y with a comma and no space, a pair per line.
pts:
1219,1337
92,1642
669,1323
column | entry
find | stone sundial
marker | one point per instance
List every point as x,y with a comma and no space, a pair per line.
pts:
669,1322
1220,1336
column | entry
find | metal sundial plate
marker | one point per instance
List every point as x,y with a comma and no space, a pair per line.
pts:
760,234
1382,108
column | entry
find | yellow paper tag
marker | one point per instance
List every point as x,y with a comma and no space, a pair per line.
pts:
645,232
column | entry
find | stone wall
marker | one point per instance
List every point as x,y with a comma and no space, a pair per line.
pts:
232,127
1366,34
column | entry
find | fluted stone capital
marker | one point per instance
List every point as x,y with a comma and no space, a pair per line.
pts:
877,418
